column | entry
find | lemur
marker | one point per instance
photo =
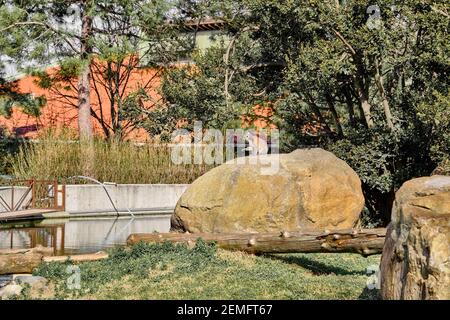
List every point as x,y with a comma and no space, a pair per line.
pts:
257,143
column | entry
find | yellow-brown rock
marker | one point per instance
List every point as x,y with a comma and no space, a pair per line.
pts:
307,189
416,257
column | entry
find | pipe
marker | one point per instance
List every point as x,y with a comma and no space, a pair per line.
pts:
106,190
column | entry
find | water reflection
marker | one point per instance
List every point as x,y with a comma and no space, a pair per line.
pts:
75,236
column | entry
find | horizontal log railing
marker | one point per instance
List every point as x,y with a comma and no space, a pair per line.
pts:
365,242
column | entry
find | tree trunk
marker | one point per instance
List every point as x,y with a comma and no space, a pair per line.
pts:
227,68
365,104
84,89
387,109
365,242
84,107
350,108
362,90
335,115
84,86
316,110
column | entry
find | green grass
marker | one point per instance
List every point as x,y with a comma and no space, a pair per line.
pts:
176,272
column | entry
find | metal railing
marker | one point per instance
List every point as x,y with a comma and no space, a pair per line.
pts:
32,194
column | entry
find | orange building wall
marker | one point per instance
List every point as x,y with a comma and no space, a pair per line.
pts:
60,112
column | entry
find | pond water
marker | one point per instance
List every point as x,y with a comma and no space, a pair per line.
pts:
79,235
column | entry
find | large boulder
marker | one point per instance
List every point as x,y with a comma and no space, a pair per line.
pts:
310,189
416,258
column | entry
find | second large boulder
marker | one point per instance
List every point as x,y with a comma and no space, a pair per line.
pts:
416,257
311,189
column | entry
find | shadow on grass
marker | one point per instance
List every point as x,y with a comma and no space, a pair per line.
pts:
369,294
316,267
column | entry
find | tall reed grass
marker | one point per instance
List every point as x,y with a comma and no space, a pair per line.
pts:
112,161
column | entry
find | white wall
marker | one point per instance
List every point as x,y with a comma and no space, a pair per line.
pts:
93,198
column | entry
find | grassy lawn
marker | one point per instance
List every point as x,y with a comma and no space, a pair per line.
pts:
203,272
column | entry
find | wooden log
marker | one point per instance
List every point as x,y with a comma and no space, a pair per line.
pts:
366,242
46,252
22,260
78,258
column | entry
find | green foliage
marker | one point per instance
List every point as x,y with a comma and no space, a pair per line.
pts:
373,159
168,271
10,97
26,102
436,115
198,91
8,147
45,32
443,168
366,80
193,92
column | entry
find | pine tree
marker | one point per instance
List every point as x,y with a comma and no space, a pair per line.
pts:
74,33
